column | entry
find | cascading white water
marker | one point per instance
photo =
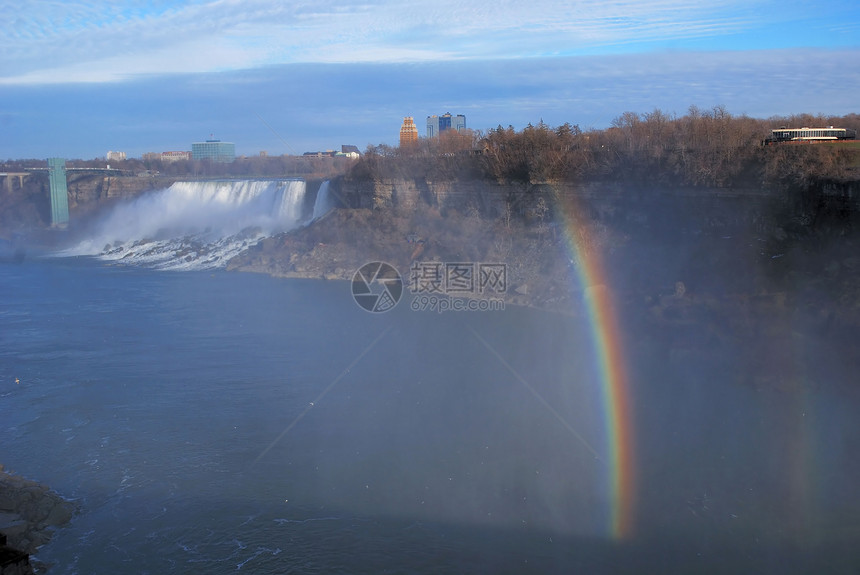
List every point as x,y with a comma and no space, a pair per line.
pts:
196,225
290,203
323,202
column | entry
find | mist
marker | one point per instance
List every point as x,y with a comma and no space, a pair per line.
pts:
194,225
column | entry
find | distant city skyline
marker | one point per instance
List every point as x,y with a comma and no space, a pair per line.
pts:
438,124
86,77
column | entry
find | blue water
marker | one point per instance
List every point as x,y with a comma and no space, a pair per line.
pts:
212,422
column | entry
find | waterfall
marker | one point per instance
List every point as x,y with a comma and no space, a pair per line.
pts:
323,202
290,204
196,225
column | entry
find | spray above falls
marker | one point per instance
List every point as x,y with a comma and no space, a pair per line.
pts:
196,225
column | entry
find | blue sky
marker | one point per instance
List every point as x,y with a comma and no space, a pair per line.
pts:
79,78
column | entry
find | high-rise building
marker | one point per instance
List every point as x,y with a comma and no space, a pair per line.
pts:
438,124
214,150
408,132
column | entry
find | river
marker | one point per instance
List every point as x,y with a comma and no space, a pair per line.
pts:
213,422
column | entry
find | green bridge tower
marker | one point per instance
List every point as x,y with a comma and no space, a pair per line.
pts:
59,191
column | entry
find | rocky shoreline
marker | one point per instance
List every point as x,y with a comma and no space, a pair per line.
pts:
30,512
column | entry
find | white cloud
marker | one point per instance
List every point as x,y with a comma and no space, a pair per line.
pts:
100,41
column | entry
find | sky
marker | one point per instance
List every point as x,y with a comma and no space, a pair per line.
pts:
81,77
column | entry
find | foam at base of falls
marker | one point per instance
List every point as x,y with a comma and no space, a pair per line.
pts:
195,225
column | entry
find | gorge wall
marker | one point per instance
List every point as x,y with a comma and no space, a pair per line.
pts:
834,203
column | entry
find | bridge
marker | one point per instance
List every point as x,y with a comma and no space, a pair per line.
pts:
58,178
10,178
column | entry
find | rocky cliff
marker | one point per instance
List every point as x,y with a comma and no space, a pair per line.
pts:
29,513
532,227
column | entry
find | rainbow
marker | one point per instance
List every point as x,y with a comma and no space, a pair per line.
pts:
614,392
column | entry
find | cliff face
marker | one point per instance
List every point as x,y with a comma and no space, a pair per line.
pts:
719,241
400,221
27,208
524,225
483,197
619,204
406,195
91,190
91,193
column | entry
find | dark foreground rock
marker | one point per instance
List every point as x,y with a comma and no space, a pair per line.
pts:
29,514
12,561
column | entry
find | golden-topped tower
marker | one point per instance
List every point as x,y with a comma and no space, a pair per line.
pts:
408,132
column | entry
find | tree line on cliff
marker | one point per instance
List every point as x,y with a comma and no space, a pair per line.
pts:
703,148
